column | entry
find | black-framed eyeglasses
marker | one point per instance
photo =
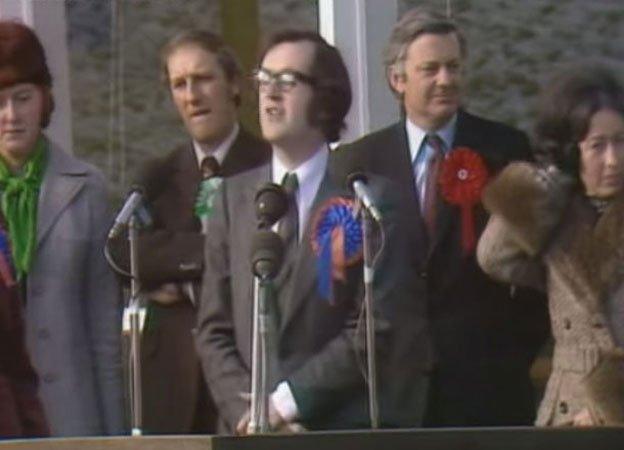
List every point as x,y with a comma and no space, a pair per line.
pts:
284,80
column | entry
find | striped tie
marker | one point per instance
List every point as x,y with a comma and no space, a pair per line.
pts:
430,203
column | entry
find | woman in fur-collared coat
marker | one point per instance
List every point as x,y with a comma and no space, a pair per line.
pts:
559,226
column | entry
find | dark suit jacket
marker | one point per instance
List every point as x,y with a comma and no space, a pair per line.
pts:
319,348
173,252
485,334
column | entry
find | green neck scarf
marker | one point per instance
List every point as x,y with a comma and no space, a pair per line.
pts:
18,200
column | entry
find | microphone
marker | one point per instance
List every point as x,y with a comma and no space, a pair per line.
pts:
271,204
357,182
132,205
267,254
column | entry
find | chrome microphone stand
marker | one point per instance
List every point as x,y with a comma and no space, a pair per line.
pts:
134,317
369,275
267,257
259,417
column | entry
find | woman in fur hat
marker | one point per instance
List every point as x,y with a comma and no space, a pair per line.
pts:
56,211
559,226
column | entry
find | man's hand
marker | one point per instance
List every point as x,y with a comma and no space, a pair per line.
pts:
166,294
276,421
584,418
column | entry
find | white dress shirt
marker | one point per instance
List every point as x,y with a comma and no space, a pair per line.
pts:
220,151
309,175
421,152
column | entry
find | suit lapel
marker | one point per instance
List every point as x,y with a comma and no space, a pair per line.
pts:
246,152
396,159
246,210
304,271
187,174
62,181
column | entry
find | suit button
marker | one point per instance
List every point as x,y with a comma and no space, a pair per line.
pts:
598,325
567,324
49,377
563,407
43,333
423,274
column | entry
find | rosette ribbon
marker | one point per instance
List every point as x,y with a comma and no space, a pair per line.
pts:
337,243
462,179
204,203
6,267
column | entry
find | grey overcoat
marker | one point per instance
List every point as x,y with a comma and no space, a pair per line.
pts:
73,303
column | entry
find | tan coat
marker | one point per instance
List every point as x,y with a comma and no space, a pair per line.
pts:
545,235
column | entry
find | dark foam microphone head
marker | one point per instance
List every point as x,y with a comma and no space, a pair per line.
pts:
271,204
267,254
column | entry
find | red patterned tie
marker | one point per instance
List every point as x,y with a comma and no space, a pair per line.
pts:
430,203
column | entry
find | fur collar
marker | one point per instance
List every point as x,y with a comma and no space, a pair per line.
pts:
553,219
531,200
593,246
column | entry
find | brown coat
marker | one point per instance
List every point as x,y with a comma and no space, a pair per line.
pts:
21,412
577,256
175,399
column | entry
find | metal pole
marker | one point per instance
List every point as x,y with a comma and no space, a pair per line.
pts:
259,416
371,360
134,315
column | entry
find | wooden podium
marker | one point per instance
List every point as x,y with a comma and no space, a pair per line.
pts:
427,439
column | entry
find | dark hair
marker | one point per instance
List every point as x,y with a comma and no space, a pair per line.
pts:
209,42
414,23
565,109
22,60
332,88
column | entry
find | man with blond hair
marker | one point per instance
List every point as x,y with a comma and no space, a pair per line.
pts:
485,334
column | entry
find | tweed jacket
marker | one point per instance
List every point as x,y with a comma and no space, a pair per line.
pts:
319,344
551,237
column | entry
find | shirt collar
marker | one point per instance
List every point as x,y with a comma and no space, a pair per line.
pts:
308,172
416,135
220,151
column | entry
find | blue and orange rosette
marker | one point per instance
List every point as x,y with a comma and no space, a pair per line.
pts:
462,179
336,241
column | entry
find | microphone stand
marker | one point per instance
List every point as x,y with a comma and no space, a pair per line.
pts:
266,259
134,317
259,417
369,275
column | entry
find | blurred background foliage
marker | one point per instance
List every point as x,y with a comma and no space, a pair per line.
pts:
513,46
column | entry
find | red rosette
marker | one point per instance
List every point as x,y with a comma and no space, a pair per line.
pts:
462,178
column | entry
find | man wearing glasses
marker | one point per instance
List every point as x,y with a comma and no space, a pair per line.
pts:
304,95
203,77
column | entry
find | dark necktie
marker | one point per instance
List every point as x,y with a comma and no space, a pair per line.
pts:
288,227
430,203
209,167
